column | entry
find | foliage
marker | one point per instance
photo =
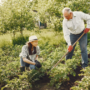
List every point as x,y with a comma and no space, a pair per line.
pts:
25,13
20,40
50,54
16,14
79,5
51,11
88,36
84,84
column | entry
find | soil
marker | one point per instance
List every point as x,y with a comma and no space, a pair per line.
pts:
43,83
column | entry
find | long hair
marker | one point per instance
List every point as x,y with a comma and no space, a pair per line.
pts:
30,47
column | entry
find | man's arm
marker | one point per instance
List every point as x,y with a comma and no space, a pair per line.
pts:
66,33
85,17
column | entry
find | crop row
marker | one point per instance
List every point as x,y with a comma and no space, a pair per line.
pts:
10,72
84,84
60,73
11,76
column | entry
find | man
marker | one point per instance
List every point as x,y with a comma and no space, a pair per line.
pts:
73,27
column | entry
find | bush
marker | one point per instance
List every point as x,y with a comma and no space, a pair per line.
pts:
56,23
80,5
19,40
4,44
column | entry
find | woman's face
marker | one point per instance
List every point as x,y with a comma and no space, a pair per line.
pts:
34,43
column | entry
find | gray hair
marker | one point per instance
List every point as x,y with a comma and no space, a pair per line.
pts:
66,9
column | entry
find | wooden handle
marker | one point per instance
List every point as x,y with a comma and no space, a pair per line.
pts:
68,51
78,39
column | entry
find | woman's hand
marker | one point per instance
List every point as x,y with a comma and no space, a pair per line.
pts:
37,64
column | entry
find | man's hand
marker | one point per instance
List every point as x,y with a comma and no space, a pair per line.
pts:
37,64
70,48
86,30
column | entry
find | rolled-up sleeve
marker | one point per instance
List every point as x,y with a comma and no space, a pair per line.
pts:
37,50
66,33
24,52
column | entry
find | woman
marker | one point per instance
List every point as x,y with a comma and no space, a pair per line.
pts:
29,54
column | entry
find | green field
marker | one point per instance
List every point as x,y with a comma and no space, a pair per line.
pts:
20,19
53,47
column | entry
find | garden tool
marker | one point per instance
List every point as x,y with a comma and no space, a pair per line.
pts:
68,51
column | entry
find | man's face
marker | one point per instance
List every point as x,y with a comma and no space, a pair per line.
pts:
67,15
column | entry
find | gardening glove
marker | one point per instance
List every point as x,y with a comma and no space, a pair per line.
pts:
38,65
22,69
86,30
70,48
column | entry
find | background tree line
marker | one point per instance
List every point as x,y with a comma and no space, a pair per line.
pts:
15,15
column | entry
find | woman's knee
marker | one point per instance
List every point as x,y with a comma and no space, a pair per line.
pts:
32,67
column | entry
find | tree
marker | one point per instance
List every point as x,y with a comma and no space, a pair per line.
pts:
16,14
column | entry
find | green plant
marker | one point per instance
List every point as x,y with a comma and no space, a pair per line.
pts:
20,40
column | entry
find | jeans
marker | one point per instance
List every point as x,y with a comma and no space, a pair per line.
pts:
23,64
83,47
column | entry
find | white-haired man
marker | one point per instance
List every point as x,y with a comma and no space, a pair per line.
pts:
73,27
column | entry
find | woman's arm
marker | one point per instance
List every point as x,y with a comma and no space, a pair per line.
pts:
36,57
28,61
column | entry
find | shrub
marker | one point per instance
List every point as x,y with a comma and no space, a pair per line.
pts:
19,40
4,44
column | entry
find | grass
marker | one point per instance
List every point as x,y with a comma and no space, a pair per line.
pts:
5,40
44,36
